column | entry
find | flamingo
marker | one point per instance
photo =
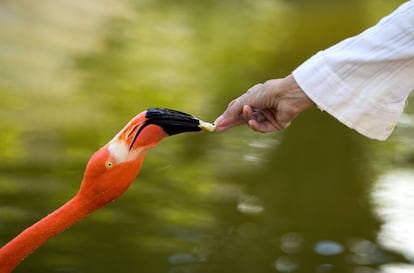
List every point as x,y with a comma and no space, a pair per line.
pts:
109,173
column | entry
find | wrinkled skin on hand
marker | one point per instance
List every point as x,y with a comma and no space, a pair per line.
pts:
266,107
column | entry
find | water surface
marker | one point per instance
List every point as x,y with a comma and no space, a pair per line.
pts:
315,198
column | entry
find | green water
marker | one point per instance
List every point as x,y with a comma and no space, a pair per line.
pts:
315,198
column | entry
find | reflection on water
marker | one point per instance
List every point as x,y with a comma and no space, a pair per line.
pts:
73,72
394,199
328,248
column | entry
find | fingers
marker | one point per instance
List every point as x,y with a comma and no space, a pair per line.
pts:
233,115
230,117
266,107
267,120
247,113
260,120
225,122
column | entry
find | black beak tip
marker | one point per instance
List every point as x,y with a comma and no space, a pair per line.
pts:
172,121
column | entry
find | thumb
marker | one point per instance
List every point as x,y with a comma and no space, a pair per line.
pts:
223,123
231,117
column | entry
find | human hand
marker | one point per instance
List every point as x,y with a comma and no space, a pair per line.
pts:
266,107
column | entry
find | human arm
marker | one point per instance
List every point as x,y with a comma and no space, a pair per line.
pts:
362,81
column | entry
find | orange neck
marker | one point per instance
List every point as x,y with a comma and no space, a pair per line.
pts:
34,236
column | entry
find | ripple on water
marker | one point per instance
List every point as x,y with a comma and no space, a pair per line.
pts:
328,248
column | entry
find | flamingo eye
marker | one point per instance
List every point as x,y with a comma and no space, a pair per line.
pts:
109,164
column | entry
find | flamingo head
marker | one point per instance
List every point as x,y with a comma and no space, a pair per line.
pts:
112,169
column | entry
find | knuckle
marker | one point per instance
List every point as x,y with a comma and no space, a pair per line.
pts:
254,88
270,82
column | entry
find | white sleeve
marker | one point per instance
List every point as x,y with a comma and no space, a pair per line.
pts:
365,80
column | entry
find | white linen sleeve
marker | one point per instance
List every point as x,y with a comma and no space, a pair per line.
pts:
365,80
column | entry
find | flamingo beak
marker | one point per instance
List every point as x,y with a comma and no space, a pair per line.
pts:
171,121
140,131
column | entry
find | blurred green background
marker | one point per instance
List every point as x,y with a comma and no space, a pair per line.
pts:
317,197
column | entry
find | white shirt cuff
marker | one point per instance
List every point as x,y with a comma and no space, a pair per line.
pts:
351,107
